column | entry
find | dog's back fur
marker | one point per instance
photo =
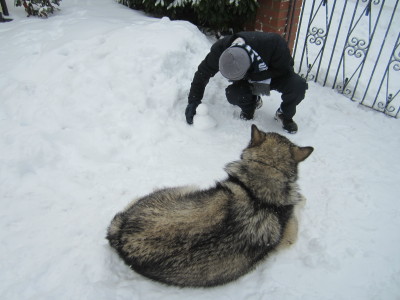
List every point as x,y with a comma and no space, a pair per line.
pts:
201,238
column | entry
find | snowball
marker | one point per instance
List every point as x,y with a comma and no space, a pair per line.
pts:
202,110
203,122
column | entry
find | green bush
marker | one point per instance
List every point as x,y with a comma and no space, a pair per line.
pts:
219,15
41,8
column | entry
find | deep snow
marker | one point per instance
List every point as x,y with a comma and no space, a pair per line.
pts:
92,106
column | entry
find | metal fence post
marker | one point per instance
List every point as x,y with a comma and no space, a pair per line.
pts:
4,7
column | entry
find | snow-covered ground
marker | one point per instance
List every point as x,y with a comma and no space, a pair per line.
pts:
92,115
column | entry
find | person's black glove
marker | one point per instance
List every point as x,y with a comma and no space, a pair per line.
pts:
191,111
260,89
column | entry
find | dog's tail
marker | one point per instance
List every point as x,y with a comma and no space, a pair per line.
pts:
114,230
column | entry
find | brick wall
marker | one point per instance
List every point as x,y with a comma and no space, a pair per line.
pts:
280,16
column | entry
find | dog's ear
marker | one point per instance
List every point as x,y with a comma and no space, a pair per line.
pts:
257,136
301,153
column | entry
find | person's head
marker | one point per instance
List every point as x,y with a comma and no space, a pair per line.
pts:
234,63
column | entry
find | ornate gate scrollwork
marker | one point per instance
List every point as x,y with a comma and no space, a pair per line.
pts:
346,44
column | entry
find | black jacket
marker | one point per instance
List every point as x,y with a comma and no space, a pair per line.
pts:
271,47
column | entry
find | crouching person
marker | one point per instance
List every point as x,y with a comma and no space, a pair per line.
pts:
254,63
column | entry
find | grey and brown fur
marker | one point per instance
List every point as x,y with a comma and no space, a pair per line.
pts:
201,238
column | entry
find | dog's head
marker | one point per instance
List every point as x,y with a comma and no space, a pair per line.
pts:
274,149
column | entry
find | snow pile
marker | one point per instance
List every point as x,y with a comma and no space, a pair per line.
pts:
92,107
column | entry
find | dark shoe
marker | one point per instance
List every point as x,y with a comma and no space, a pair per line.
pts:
259,102
4,19
287,123
248,115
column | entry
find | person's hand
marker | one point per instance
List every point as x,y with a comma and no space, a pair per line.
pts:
191,111
260,89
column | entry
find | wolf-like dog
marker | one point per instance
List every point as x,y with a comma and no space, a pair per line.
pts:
201,238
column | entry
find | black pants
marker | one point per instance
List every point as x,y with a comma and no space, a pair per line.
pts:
293,88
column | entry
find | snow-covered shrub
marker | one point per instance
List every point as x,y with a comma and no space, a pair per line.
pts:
41,8
220,15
